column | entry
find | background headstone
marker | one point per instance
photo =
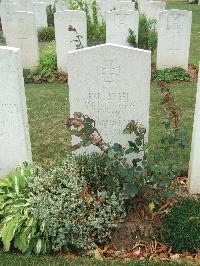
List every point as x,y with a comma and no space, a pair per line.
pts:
61,6
65,39
174,29
111,84
15,145
126,5
40,14
118,23
194,168
152,9
22,33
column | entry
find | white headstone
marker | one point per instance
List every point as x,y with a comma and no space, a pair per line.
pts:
22,33
152,9
141,4
15,145
61,6
126,5
24,5
7,9
111,84
101,10
40,14
65,39
118,23
174,29
194,168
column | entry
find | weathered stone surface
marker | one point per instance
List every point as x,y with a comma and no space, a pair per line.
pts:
194,168
126,5
152,9
14,133
24,5
174,29
40,12
7,9
22,33
61,6
111,84
65,39
118,23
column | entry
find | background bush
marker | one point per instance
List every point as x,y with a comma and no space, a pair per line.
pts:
50,15
96,31
181,227
46,34
147,34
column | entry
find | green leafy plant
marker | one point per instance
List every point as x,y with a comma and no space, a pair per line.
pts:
50,15
132,38
18,227
181,227
96,172
141,180
147,35
46,34
96,30
2,39
75,218
171,74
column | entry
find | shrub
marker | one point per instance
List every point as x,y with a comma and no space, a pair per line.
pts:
75,218
2,39
98,175
18,227
50,15
96,31
181,227
146,180
132,38
147,35
46,34
171,74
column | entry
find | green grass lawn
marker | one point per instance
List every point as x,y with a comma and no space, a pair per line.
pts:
18,260
48,106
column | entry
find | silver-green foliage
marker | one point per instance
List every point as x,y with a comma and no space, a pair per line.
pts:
73,216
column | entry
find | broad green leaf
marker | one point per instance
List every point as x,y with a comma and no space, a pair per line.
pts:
9,230
39,246
5,183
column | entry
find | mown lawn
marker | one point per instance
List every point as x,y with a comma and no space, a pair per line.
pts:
48,106
18,260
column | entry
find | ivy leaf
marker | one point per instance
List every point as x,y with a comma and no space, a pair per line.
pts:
130,190
111,153
129,150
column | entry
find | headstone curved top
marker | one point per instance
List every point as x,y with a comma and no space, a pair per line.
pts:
111,84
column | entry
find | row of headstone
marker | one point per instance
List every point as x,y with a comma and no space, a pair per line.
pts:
9,7
110,83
